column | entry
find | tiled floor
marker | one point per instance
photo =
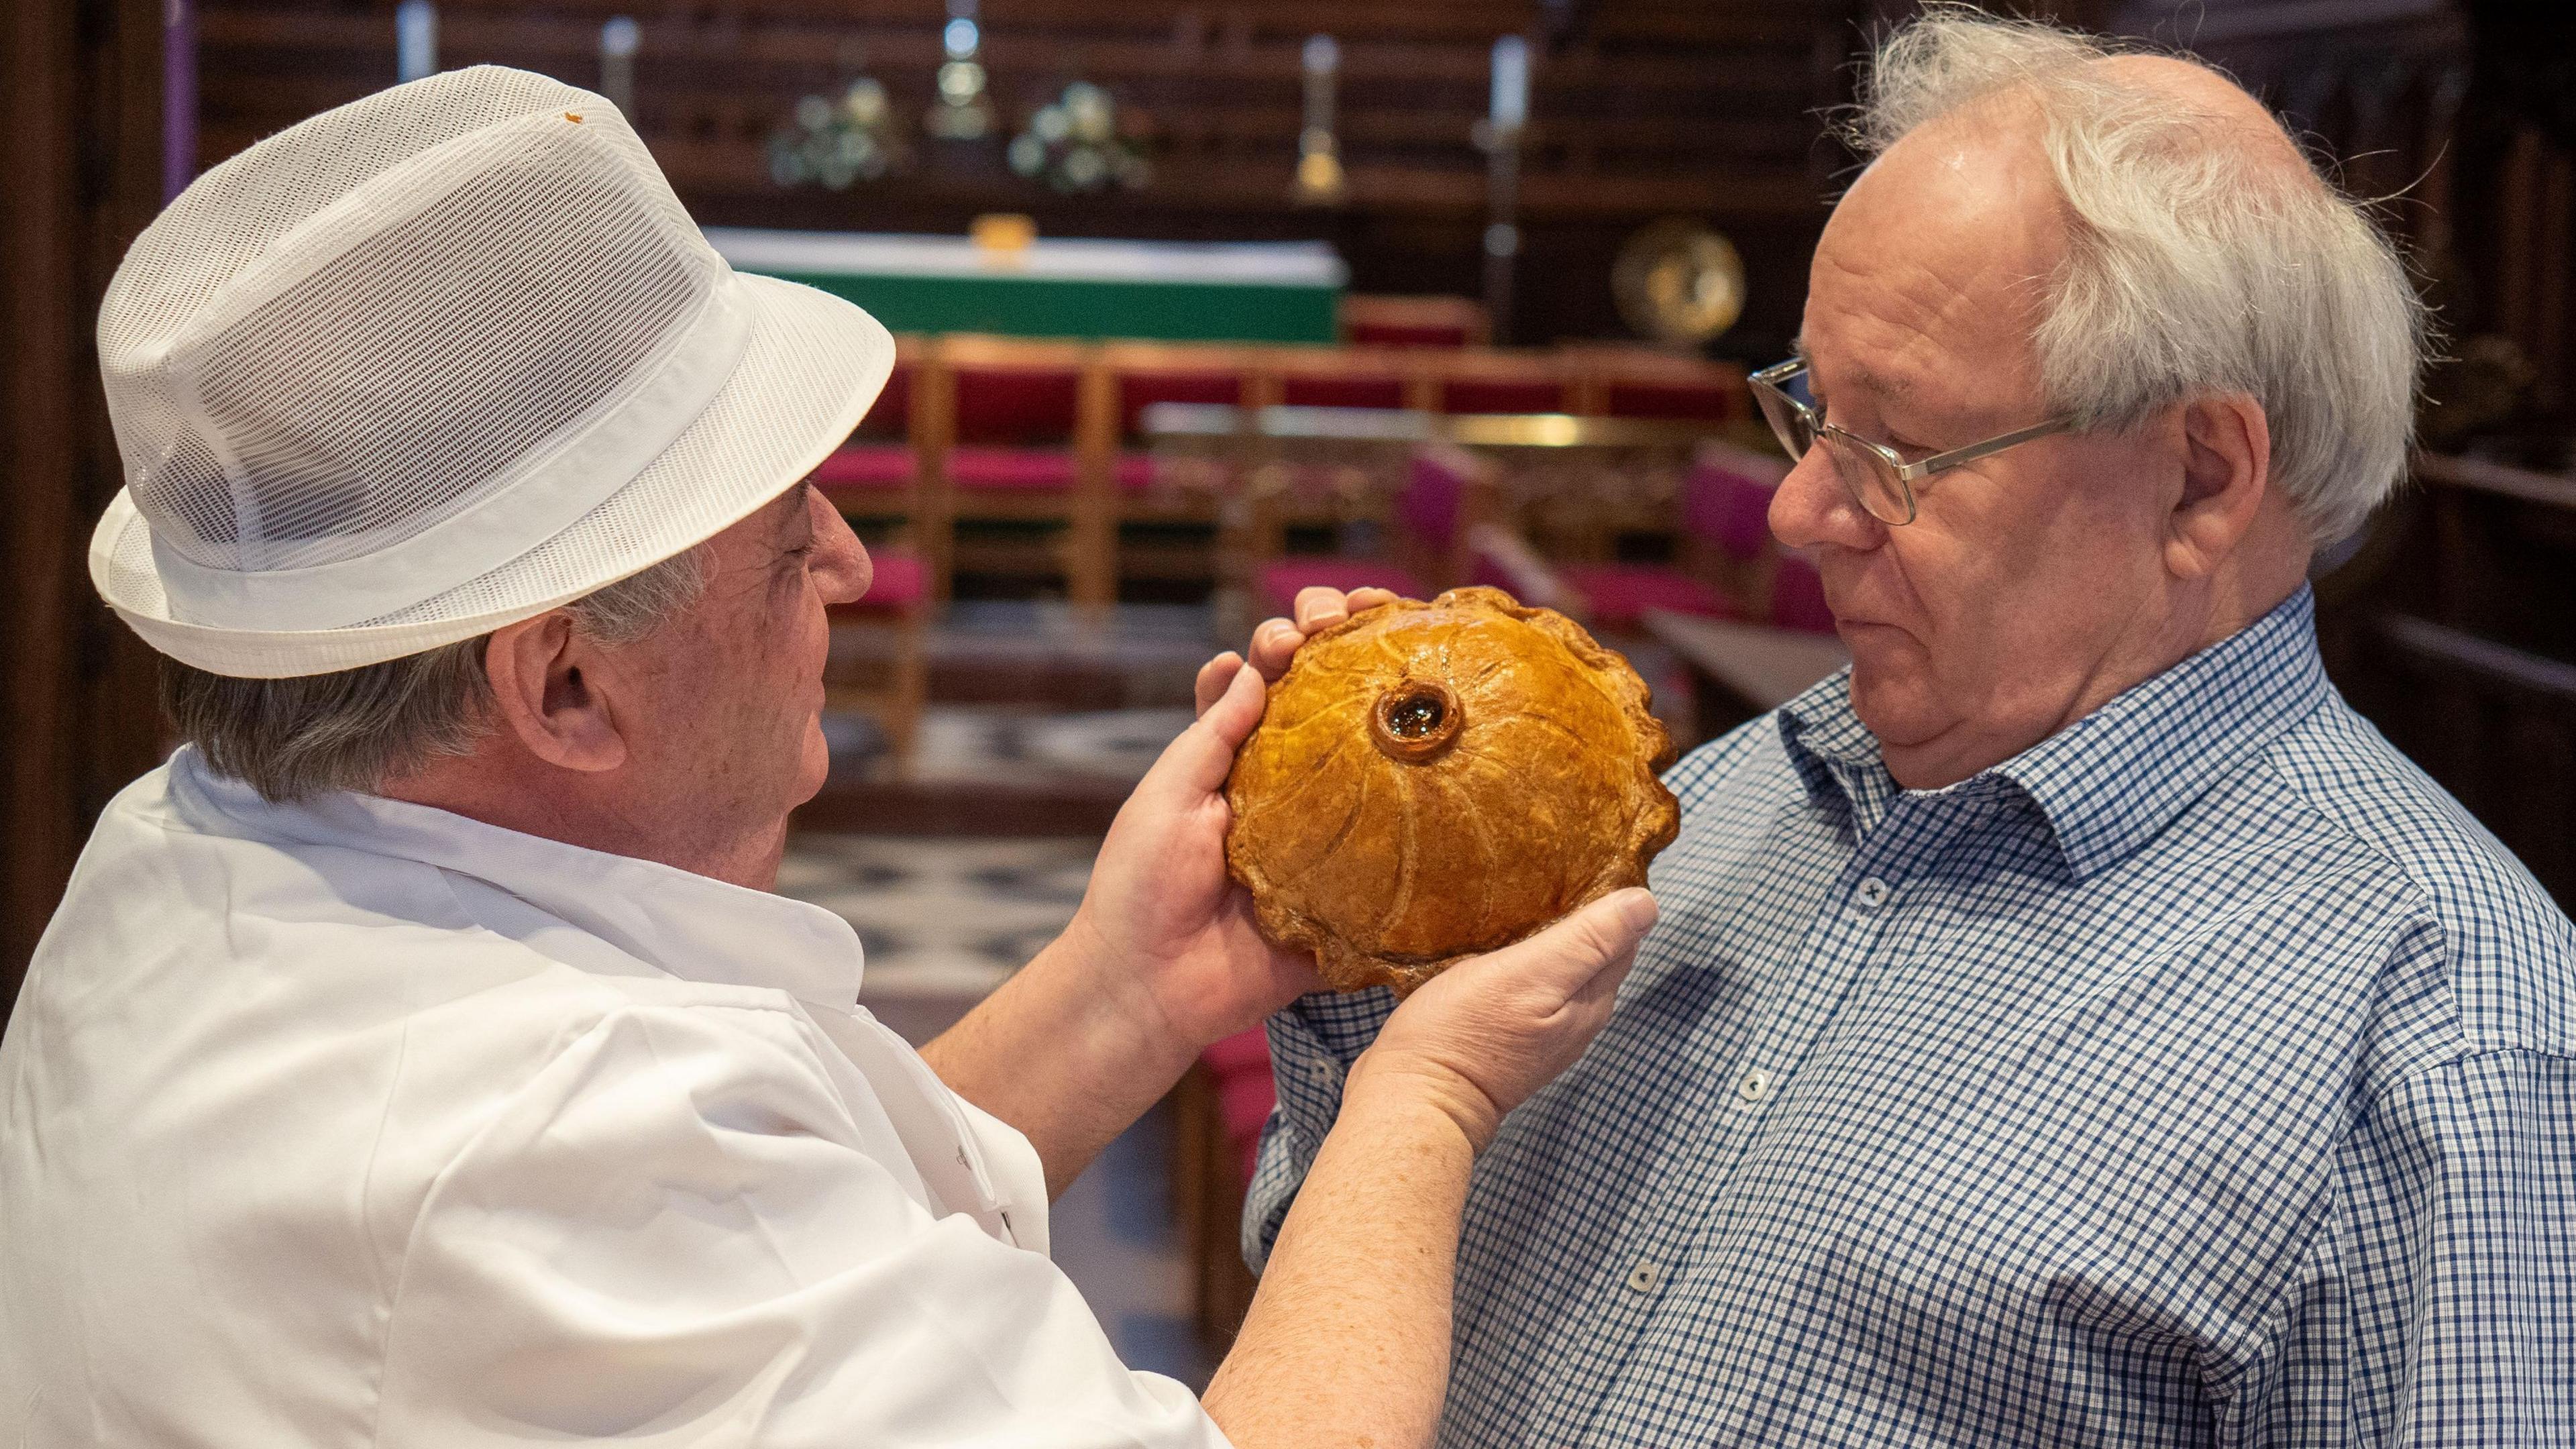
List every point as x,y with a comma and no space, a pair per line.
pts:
944,921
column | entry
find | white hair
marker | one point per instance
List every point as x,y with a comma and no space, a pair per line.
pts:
357,729
2195,263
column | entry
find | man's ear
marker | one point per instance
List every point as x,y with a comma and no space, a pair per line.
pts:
2226,473
545,690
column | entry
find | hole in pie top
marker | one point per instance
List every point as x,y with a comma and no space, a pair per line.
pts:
1415,716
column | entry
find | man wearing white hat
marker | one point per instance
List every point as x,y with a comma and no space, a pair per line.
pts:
419,1058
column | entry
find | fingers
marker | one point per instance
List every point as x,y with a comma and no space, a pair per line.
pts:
1569,958
1195,765
1320,607
1276,641
1214,676
1272,644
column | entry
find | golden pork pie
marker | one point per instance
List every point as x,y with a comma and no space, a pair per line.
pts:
1435,780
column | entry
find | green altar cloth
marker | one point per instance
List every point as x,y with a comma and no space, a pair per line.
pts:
1062,287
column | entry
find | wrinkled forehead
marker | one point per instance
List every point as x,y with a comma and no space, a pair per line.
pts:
1934,267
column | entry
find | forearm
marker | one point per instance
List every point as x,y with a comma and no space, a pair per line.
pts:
1348,1339
1061,1055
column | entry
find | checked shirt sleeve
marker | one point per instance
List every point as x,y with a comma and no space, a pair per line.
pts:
1312,1044
2453,1242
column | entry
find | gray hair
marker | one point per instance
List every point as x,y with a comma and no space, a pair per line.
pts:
2191,267
358,728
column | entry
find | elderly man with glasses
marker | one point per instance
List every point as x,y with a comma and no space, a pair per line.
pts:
2073,1025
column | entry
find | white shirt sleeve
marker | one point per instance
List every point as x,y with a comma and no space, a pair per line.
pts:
675,1233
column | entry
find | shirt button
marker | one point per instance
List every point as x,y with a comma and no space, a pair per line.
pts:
1754,1085
1643,1277
1872,894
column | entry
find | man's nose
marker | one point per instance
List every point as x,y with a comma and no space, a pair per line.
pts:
1811,508
842,570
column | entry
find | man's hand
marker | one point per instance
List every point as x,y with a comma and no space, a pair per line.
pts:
1480,1037
1169,930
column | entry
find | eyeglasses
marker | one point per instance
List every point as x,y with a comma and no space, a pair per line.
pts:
1875,476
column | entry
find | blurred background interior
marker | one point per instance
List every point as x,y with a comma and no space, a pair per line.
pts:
1201,301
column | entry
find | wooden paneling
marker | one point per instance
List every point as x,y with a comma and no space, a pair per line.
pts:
80,175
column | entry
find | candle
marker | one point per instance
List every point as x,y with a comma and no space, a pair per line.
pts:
1511,83
415,39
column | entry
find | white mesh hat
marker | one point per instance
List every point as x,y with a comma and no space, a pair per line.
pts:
435,361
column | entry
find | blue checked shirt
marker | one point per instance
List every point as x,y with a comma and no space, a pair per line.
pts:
2202,1075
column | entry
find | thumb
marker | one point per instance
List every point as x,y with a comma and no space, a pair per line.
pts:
1195,765
1566,956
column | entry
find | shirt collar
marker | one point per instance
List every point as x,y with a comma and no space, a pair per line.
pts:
689,925
2109,782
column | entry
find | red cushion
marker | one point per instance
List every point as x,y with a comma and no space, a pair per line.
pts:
1135,471
1692,401
1281,578
1410,334
891,413
902,580
1010,470
1138,391
1621,593
1339,391
863,467
1798,597
1015,404
1502,395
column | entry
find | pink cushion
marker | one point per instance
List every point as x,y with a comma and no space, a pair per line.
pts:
865,466
1728,503
1036,470
1010,470
902,580
1798,597
1622,593
1245,1103
1434,490
1244,1051
1280,579
1245,1092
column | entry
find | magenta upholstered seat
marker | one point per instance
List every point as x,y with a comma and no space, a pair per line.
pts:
870,466
1245,1091
1726,500
1620,594
1281,578
902,580
1010,470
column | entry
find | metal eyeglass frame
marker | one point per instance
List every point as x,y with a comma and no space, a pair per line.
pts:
1770,391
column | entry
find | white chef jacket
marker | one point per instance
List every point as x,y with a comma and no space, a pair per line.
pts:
353,1122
